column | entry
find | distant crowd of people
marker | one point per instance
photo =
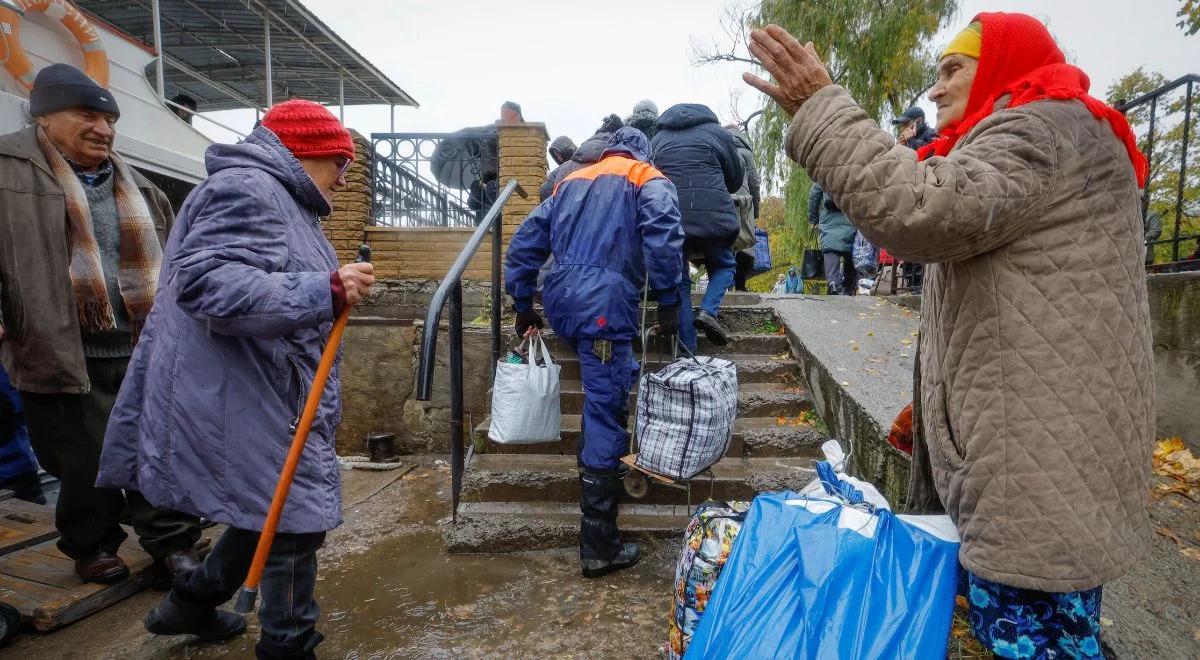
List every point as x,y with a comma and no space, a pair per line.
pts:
716,179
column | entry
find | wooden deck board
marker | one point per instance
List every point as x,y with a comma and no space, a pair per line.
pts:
41,583
23,524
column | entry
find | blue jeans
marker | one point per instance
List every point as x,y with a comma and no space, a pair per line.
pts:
720,263
288,613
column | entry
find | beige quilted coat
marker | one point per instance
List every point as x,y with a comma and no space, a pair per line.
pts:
1037,392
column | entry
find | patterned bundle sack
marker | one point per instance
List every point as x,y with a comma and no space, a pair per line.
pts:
706,546
685,416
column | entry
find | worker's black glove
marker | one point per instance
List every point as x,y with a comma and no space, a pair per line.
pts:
668,320
527,320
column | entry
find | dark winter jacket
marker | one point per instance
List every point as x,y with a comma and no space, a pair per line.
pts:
752,182
609,227
561,149
205,416
702,160
924,136
835,231
588,153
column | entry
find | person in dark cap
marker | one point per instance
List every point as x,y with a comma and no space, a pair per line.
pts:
913,131
186,102
561,150
82,234
644,118
510,113
588,153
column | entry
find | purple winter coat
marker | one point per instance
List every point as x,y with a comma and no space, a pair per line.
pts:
205,415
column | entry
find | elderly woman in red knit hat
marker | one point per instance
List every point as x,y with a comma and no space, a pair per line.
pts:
248,292
1036,391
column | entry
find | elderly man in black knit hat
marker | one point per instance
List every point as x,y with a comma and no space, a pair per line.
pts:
81,233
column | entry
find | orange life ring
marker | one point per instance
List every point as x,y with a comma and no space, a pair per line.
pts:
95,61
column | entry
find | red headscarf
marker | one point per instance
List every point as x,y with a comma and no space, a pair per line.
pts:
1019,58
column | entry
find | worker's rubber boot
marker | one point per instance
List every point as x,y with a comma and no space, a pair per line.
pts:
210,625
600,548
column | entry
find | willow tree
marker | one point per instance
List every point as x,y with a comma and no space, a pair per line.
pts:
881,51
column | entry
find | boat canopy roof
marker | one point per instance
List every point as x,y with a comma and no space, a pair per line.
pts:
215,51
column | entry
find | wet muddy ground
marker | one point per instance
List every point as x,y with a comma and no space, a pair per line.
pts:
387,590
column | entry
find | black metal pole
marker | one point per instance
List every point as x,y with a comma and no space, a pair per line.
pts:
1149,159
456,396
497,237
1183,154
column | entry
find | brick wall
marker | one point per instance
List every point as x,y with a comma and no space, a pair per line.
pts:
352,204
420,253
522,157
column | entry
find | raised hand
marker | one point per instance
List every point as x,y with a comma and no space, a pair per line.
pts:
796,68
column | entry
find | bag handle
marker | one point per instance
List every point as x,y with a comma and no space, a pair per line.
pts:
531,354
544,349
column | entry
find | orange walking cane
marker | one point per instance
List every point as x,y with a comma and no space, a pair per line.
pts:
249,593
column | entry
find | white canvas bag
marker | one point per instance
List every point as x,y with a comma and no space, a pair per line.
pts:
525,399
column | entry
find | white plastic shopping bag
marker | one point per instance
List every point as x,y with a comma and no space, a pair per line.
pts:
525,399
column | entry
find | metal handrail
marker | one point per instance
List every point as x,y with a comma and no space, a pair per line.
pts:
1189,82
451,288
1169,87
424,186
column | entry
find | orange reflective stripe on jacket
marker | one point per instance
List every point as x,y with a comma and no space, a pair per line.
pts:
632,170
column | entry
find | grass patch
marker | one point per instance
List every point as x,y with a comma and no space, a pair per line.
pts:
770,326
811,418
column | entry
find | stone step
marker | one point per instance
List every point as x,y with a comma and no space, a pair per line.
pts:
754,399
740,343
542,478
733,298
783,436
518,526
751,368
745,318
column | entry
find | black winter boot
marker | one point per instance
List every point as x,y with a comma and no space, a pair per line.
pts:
711,327
210,625
600,549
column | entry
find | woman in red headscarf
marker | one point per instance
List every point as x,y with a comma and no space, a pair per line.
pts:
1036,392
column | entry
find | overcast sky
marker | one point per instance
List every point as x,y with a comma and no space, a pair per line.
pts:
570,63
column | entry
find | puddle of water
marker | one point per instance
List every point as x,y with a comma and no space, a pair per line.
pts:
406,598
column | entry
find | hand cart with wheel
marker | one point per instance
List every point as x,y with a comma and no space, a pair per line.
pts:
639,478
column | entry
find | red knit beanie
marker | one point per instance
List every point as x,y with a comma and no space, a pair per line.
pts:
309,130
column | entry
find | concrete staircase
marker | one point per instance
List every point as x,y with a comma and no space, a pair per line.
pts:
526,497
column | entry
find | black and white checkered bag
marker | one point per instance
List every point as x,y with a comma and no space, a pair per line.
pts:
685,415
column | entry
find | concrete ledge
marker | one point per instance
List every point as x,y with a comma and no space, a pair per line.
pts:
856,355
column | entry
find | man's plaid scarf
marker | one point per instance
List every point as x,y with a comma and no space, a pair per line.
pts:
141,254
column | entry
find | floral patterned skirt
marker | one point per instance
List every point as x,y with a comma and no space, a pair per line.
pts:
1024,623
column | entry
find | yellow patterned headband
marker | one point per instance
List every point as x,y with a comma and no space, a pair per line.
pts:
969,42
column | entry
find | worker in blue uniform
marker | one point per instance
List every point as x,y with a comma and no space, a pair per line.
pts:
613,228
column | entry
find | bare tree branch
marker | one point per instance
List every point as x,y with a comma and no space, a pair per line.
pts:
734,47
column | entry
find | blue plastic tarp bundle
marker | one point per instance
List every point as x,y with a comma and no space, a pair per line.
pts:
819,577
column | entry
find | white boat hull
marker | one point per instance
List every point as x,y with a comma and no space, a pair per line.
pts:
149,135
